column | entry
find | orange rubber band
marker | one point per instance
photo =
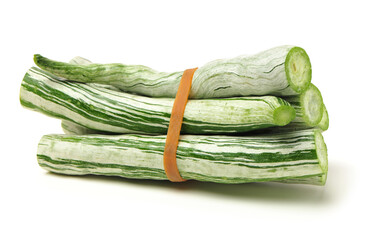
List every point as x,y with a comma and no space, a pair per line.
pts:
176,120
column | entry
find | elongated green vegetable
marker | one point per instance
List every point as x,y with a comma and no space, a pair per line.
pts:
118,112
309,108
281,71
75,129
298,156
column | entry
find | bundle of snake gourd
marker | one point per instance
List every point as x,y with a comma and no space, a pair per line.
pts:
249,119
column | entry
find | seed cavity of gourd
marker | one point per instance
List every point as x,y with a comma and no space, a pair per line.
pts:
294,67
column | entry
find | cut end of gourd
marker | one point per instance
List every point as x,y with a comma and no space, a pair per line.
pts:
322,154
298,69
324,123
283,115
312,105
323,179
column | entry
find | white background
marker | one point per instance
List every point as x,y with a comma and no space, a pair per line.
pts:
173,35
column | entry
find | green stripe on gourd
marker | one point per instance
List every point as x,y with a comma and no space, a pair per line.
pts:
292,156
83,61
280,71
108,110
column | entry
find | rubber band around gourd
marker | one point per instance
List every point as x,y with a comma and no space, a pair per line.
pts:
176,120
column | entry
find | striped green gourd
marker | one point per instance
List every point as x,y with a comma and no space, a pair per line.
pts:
297,156
75,129
280,71
113,111
305,114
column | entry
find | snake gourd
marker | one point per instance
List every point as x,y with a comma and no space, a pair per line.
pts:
297,156
280,71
